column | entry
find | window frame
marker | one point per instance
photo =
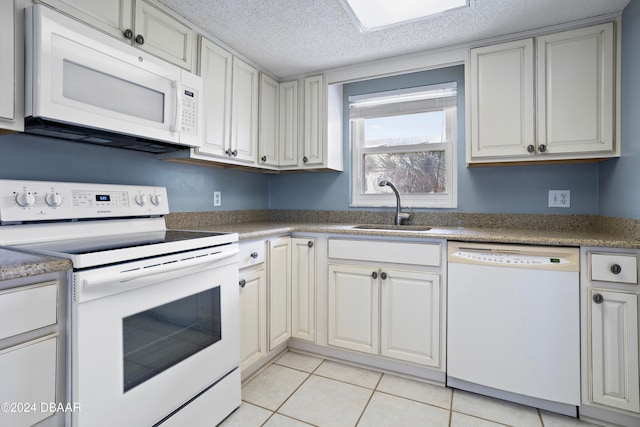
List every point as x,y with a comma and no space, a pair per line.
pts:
357,150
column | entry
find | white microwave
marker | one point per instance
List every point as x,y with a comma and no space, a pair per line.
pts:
83,85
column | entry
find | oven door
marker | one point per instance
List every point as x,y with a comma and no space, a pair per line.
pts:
149,336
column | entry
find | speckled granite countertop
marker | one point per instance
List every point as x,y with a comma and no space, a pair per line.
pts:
257,230
15,264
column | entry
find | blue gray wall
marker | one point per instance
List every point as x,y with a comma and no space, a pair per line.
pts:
510,189
189,187
610,188
620,178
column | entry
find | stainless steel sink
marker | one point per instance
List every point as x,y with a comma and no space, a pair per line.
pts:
392,227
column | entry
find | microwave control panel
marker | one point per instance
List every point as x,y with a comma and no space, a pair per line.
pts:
190,111
44,201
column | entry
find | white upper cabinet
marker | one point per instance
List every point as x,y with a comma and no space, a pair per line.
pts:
142,23
231,107
502,103
314,121
244,112
575,90
11,116
289,126
215,70
162,35
268,136
545,98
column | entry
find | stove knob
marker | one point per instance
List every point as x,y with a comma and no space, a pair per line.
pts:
53,199
141,200
156,199
25,199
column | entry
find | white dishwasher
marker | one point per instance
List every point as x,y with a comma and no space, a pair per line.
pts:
514,323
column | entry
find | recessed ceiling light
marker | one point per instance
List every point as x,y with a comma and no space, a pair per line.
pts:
374,14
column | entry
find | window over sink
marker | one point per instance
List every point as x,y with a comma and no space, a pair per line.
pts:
407,136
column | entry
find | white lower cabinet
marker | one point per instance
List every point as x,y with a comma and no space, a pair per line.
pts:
32,351
353,308
303,288
613,319
253,316
610,295
382,308
410,317
279,291
253,303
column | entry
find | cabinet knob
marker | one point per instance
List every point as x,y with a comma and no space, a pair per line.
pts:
234,153
264,158
128,34
228,152
305,159
310,243
616,269
531,148
254,255
542,148
598,299
383,276
242,283
374,275
139,39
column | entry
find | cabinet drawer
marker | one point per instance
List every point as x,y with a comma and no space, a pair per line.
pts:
388,252
251,253
28,378
619,268
28,308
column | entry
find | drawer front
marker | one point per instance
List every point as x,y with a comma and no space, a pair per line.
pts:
413,253
618,268
252,253
28,378
28,308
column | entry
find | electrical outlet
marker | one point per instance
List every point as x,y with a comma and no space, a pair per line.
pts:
559,198
217,198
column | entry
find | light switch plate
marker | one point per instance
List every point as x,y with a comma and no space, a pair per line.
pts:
217,198
559,198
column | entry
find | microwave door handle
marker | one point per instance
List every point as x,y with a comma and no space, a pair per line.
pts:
177,122
119,282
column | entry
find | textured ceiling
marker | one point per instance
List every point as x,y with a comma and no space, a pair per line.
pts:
294,37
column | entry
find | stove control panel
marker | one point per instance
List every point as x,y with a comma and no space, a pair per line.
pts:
45,201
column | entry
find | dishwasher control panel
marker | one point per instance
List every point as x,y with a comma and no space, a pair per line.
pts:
510,258
556,258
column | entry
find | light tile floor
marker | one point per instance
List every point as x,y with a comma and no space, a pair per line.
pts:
301,390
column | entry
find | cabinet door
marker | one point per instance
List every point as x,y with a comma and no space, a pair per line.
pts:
575,79
244,112
410,316
111,16
268,138
501,100
303,288
279,291
353,308
613,323
7,65
215,70
164,36
314,121
289,137
253,316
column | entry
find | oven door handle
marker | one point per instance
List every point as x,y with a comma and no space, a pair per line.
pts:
128,280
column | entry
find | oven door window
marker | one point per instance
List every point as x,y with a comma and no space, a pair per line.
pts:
156,339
